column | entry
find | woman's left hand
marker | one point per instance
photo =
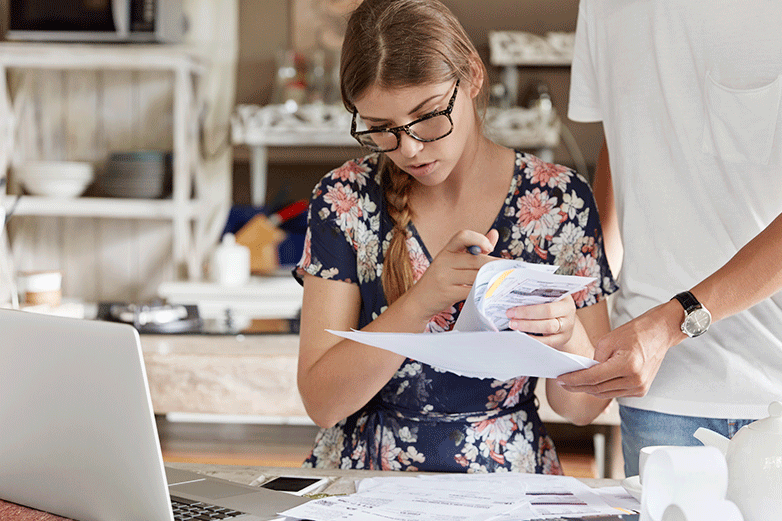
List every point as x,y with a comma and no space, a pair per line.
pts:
552,323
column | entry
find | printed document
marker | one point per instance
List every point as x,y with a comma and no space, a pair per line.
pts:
511,496
504,284
477,347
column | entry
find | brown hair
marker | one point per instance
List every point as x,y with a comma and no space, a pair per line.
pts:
402,43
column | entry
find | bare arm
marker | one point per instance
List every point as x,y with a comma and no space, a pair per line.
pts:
581,408
633,352
604,198
560,325
752,275
336,377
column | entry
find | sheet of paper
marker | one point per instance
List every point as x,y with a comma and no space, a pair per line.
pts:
459,497
476,347
398,502
619,498
557,497
501,355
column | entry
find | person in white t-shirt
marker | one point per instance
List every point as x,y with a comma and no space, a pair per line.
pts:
689,93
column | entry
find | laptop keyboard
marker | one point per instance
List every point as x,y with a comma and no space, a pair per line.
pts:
187,509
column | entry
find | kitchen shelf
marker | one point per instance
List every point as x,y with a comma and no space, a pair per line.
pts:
186,69
110,207
60,56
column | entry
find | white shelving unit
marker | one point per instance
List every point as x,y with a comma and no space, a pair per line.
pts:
181,209
263,127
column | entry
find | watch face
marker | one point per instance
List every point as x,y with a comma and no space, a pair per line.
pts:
697,322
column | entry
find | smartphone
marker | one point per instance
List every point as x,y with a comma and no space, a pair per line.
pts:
296,485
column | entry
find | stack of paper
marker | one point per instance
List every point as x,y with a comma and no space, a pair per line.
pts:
467,497
504,284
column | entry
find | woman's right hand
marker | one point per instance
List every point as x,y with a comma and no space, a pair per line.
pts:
450,276
336,377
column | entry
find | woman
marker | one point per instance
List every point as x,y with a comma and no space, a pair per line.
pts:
386,250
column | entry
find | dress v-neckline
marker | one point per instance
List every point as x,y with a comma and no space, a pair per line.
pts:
511,188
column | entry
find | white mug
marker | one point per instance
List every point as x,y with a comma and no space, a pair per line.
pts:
643,455
41,287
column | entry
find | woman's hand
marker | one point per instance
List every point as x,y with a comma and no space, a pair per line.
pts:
552,323
558,325
336,377
451,274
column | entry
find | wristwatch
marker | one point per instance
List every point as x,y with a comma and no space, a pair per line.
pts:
697,318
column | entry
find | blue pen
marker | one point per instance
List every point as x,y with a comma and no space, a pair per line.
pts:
474,250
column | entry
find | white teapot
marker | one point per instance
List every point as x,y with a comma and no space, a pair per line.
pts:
754,457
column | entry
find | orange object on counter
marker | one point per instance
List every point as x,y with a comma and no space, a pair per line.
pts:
262,237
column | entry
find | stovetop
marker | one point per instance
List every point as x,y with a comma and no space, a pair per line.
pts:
155,317
160,318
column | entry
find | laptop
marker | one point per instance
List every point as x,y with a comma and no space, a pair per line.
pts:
77,432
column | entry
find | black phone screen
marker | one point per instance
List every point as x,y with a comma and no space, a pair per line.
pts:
289,484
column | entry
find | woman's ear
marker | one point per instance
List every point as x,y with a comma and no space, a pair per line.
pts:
477,75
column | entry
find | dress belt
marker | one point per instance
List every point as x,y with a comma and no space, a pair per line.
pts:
382,408
376,412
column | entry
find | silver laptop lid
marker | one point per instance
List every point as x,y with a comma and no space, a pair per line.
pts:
78,435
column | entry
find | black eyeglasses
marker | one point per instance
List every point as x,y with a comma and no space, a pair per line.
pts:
433,126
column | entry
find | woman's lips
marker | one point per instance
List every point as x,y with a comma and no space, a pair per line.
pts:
421,169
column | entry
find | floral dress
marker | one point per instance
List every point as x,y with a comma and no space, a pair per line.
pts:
424,418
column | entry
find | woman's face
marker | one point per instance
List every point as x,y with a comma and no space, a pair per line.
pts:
430,163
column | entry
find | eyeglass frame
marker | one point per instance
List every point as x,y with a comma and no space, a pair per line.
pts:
406,128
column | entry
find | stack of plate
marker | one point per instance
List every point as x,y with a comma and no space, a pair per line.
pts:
55,178
144,174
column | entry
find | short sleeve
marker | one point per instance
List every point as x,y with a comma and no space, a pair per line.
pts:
328,245
551,218
578,244
584,105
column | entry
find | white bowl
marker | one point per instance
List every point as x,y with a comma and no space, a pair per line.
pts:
56,187
55,178
72,170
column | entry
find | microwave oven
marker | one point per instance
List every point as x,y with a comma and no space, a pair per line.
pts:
160,21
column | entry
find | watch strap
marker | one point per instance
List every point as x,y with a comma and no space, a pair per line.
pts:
688,301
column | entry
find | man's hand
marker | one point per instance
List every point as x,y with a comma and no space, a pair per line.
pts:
630,355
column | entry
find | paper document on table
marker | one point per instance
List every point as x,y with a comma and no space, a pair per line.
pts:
476,347
459,497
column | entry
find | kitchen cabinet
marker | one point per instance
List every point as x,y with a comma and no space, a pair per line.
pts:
181,69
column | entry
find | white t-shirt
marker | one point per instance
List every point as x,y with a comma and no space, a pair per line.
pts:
689,95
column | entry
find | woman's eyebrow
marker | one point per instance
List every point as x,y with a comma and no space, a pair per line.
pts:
415,109
427,100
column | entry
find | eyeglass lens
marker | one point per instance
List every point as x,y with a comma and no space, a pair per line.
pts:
426,130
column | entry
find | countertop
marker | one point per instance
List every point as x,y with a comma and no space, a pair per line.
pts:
251,375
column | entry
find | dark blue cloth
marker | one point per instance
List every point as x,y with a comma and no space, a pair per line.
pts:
425,418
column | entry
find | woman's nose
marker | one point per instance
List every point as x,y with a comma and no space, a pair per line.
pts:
408,146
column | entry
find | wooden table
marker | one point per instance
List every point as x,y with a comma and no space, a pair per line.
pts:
343,483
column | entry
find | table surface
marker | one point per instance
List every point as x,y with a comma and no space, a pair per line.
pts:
343,483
